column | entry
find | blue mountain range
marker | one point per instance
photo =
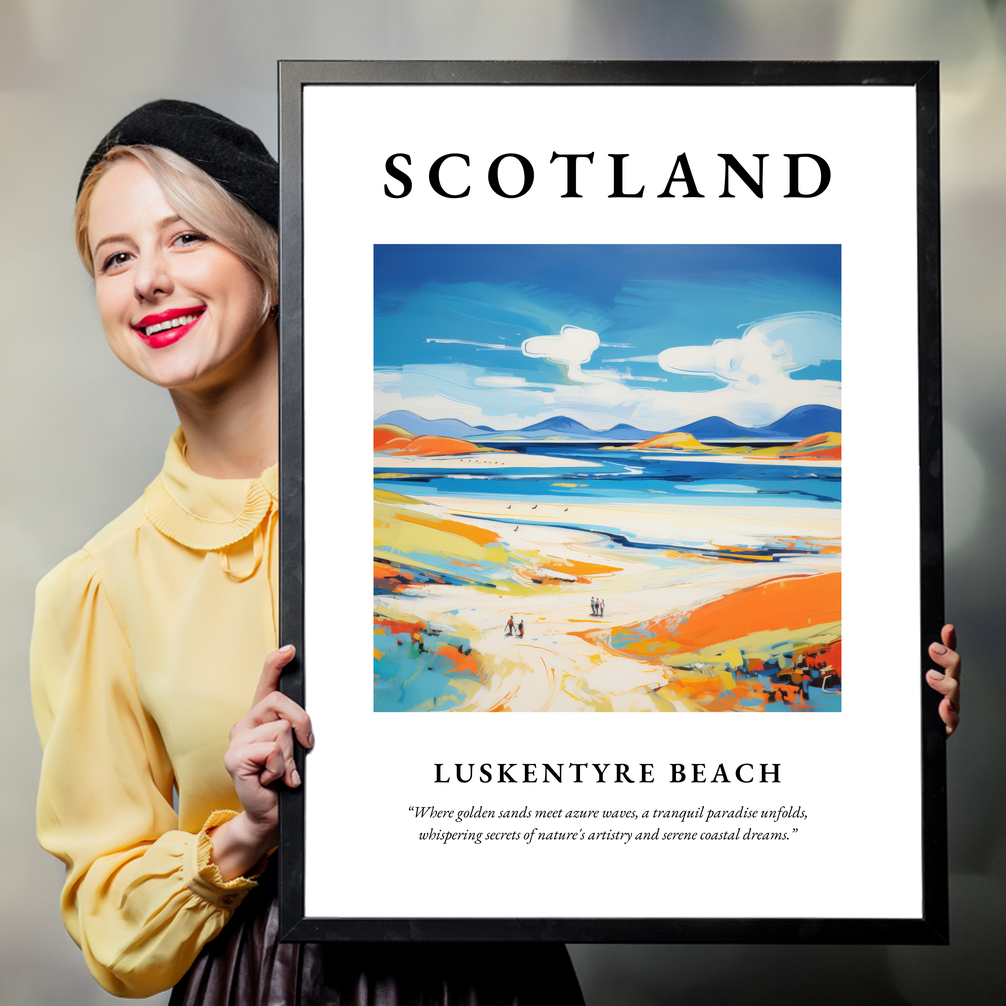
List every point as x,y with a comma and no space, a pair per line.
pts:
804,421
801,422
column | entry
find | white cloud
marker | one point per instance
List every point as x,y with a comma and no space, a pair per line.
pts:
750,360
761,354
568,350
601,405
757,389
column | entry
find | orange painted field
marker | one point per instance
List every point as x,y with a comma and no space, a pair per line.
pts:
787,603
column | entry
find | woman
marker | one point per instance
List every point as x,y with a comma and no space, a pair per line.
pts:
149,642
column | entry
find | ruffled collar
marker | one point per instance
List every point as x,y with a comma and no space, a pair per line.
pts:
203,513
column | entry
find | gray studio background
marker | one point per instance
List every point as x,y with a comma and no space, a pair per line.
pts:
81,436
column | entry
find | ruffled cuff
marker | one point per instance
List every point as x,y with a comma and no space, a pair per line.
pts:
203,878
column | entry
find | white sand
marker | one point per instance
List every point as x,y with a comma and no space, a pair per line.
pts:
690,523
552,669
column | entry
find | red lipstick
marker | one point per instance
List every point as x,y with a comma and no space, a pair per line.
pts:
165,332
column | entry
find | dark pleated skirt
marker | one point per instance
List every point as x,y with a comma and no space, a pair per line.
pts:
246,965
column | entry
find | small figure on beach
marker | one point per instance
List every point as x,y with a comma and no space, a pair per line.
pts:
593,605
600,601
520,628
509,627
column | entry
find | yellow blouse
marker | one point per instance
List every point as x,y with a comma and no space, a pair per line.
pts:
147,647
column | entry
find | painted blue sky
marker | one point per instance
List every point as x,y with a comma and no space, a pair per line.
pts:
653,335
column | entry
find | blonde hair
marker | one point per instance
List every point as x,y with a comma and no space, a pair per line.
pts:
199,200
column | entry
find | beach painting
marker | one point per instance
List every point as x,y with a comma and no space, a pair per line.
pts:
607,478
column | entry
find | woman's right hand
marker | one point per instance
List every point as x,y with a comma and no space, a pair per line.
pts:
260,753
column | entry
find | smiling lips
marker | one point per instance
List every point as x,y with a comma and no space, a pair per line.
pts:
166,327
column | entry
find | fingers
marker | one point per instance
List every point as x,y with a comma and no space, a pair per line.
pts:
270,703
265,751
949,688
947,658
951,717
949,636
280,763
261,749
948,709
947,680
277,706
271,671
272,761
262,761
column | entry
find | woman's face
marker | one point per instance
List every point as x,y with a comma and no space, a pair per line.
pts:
177,308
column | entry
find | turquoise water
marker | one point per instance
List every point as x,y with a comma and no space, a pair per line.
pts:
631,476
624,478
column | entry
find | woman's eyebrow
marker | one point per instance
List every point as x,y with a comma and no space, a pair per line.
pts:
160,225
109,240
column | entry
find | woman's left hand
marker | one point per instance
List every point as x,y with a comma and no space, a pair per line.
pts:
948,681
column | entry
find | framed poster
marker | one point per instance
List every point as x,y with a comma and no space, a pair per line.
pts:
632,372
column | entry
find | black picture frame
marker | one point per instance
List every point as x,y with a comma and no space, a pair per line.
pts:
932,925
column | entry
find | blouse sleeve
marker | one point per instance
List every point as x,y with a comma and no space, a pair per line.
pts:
141,898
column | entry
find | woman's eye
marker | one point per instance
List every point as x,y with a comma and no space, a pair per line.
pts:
190,238
114,261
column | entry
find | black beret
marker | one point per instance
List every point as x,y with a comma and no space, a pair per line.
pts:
230,154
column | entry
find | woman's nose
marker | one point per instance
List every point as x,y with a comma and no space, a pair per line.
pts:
152,277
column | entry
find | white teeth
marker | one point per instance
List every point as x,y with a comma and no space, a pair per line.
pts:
174,323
